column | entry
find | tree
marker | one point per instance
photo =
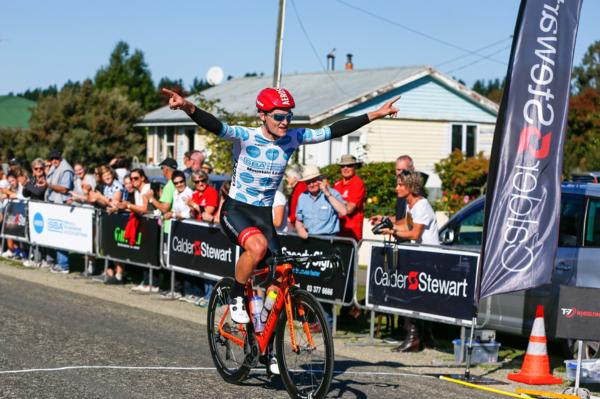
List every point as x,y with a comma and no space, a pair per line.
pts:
588,73
582,146
88,123
37,93
463,179
493,89
130,74
198,85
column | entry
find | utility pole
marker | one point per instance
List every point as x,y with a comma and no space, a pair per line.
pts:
279,45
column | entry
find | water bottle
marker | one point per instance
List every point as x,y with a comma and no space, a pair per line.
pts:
271,297
257,305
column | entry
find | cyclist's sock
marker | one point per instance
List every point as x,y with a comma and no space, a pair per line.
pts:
238,289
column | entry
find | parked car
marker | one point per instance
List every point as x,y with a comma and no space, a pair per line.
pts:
587,177
577,261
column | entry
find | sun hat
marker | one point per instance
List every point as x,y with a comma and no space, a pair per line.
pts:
309,172
348,159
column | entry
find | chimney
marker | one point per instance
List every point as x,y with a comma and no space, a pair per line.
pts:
349,65
331,60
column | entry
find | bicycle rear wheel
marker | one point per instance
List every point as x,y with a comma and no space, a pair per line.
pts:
307,369
225,336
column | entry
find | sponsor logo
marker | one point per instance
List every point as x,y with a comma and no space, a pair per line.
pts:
285,100
38,223
272,154
570,313
421,282
264,167
15,219
246,177
322,265
253,151
201,249
119,236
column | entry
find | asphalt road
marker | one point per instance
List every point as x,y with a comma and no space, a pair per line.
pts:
59,344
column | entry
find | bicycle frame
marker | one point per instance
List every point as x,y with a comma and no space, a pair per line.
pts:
283,271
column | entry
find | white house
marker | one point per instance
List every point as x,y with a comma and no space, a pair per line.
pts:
437,114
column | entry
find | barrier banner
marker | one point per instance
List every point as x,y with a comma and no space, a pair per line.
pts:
317,277
578,315
14,224
523,186
61,226
202,248
436,281
144,249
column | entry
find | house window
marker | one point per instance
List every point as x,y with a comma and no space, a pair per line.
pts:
167,140
464,138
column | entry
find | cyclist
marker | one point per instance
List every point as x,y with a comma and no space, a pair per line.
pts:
260,157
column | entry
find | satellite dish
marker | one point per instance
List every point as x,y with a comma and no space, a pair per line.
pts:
214,76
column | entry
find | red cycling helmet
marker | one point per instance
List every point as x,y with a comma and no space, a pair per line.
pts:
268,99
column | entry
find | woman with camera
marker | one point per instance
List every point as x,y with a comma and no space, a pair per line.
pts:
420,226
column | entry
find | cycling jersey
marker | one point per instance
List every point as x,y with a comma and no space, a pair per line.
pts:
259,163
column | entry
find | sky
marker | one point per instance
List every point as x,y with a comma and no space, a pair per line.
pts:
46,43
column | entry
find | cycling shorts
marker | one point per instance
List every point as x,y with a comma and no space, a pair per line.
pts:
241,221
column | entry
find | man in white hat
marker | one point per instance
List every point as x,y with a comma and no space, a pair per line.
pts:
320,207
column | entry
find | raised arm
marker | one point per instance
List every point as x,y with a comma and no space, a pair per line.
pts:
345,126
202,118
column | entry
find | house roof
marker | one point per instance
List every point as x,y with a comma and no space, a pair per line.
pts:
15,111
318,95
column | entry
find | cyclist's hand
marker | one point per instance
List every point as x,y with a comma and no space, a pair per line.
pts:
385,110
177,102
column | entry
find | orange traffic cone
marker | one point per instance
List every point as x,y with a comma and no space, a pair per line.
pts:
536,367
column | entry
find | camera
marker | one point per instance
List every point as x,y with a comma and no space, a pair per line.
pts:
385,223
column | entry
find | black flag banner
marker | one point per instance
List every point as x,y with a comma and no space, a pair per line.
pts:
523,186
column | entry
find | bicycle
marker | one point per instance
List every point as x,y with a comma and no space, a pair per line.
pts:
303,341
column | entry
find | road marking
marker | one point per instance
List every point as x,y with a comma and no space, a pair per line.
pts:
166,368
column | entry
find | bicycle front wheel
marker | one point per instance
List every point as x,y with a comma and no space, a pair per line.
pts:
304,348
226,338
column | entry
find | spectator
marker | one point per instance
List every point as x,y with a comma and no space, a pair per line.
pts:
113,190
292,177
181,196
129,190
207,168
318,212
120,166
112,194
35,189
141,191
163,206
205,199
196,161
83,183
280,216
14,191
419,225
187,163
320,207
60,184
223,193
353,191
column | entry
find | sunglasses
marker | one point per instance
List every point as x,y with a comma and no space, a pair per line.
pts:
38,168
404,172
282,117
136,178
199,181
178,182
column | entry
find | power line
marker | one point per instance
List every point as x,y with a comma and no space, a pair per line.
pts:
416,32
477,61
314,50
460,57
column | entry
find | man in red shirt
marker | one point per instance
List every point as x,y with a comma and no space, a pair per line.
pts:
205,199
353,192
292,176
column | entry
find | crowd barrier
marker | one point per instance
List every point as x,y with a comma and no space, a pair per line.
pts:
431,283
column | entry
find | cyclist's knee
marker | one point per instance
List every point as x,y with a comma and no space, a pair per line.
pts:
257,247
